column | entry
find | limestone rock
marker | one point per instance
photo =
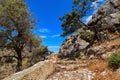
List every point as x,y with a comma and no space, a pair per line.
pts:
81,74
107,15
101,51
72,46
105,18
118,71
104,73
39,71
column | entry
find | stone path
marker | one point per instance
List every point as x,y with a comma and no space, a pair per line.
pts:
81,74
73,74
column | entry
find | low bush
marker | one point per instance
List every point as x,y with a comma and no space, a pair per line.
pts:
114,61
63,63
9,60
87,35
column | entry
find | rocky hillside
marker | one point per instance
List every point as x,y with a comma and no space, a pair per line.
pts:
107,16
90,68
104,26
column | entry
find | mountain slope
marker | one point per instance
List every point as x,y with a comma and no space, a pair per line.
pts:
105,24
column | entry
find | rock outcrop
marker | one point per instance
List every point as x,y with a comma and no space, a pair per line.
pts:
39,71
72,46
101,51
106,17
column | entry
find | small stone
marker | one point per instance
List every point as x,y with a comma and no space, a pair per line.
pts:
91,57
118,71
104,73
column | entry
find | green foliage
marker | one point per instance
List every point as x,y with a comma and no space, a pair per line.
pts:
76,67
87,34
70,23
74,20
34,42
39,54
114,61
41,50
51,52
16,25
76,1
63,62
9,60
25,63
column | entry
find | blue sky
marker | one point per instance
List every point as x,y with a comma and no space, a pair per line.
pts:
47,13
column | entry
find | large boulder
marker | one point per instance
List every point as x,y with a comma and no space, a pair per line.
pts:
107,16
105,19
72,46
118,71
39,71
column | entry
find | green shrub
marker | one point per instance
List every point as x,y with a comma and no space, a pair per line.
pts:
63,63
9,60
76,67
87,35
114,61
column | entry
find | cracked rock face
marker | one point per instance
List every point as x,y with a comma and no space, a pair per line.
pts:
72,46
107,16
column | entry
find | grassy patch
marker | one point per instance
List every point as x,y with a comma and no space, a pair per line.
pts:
76,67
114,61
63,62
102,65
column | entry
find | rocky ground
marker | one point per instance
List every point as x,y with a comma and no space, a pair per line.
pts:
104,23
74,70
82,74
89,68
92,60
71,70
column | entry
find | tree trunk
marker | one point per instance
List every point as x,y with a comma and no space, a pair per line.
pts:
19,61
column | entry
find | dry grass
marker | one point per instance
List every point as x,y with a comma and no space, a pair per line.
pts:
102,66
111,43
98,65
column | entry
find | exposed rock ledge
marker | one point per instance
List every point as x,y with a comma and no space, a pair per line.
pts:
107,17
39,71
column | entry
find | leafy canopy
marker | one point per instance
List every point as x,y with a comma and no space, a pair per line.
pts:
16,26
16,23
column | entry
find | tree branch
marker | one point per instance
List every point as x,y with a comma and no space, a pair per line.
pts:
11,56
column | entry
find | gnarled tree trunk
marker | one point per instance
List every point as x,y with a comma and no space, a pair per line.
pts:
19,61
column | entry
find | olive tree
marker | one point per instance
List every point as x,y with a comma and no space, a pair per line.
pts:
16,28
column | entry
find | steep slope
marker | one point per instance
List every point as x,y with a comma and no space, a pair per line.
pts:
105,21
107,16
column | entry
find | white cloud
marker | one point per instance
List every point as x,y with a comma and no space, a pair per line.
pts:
95,4
44,30
54,48
57,35
89,18
43,36
53,36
